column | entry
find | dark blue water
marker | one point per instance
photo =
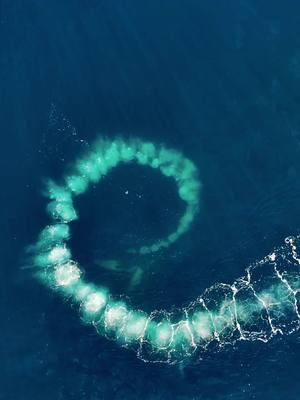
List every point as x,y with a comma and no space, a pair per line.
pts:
220,81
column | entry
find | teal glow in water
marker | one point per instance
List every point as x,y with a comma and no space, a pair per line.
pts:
249,309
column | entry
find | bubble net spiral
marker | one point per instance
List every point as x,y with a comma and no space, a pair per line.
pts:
263,303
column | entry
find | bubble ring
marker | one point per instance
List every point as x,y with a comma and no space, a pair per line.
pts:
255,307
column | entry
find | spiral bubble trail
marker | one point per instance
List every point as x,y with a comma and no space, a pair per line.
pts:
263,303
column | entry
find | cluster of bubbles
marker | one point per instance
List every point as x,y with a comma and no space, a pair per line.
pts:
263,303
108,154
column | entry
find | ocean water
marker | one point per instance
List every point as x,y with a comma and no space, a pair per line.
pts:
219,81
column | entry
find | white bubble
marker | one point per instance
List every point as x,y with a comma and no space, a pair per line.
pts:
59,254
94,302
67,274
115,315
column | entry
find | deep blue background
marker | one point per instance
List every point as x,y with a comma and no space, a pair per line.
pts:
218,80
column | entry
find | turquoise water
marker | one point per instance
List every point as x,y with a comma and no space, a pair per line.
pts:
220,83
